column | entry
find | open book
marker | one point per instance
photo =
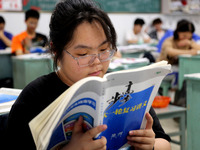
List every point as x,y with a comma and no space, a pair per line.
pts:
120,100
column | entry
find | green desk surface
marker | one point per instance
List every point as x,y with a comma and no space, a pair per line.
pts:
27,69
187,65
139,62
135,50
193,111
5,65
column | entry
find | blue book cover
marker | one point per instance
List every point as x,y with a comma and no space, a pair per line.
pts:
7,98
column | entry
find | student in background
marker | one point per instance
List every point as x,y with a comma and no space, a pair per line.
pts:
5,37
180,43
137,36
79,30
158,32
22,42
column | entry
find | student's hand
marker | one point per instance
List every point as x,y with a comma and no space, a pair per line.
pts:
193,52
27,43
184,42
84,140
143,139
1,34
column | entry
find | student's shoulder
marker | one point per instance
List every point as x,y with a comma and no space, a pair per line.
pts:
8,34
21,35
45,80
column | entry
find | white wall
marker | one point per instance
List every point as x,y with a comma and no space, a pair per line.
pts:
122,22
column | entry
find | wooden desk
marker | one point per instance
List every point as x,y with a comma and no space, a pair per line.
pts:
5,64
28,67
173,112
187,64
193,110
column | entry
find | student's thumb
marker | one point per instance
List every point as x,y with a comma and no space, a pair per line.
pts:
149,121
78,125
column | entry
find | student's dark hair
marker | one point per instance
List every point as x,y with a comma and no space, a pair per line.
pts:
156,21
139,21
67,16
31,13
183,26
2,20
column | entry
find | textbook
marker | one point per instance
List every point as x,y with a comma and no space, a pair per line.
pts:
7,98
119,99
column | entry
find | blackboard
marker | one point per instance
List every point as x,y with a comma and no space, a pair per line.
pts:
132,6
127,6
43,5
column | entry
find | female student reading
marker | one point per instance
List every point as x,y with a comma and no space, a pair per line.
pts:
82,41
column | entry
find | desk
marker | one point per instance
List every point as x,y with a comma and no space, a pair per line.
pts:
5,64
172,112
135,50
187,64
28,67
193,111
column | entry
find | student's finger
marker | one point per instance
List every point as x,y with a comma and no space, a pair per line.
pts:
149,121
100,143
140,139
96,130
78,125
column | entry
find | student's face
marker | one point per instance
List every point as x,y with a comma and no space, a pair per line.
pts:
88,38
137,28
158,26
31,24
2,25
184,35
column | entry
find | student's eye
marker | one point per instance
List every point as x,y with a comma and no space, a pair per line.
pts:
103,49
82,54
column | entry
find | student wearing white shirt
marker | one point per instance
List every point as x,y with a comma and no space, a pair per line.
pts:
137,36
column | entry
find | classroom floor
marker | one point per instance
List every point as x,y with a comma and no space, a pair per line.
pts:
169,125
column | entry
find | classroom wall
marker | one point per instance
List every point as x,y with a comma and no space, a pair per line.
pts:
122,22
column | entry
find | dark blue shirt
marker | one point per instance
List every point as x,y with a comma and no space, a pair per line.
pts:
2,44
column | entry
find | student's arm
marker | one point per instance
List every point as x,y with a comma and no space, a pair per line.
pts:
6,40
145,139
174,52
146,38
19,46
81,140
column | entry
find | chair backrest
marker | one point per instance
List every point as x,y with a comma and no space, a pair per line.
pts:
167,34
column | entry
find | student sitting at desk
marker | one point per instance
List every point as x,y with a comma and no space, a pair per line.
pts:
137,36
22,42
79,30
158,32
5,37
180,43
